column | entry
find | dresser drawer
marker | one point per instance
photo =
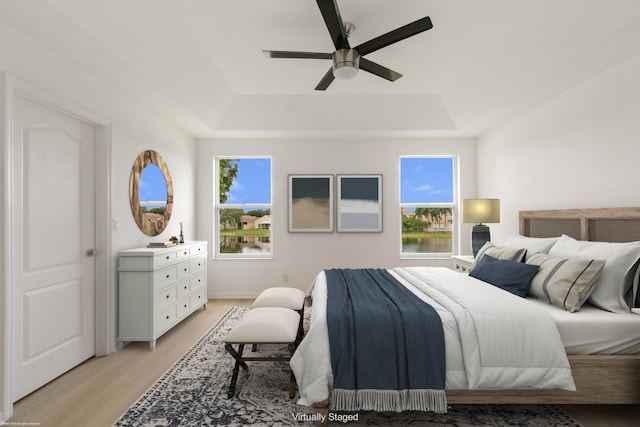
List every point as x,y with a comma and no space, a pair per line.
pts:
197,263
165,258
197,281
200,249
198,298
184,270
183,252
165,319
165,277
183,289
166,297
183,307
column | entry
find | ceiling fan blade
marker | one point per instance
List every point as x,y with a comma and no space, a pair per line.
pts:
289,54
379,70
326,80
394,36
331,15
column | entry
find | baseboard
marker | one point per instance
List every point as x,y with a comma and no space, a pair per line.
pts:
232,296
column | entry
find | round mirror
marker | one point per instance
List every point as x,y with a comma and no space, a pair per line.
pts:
151,193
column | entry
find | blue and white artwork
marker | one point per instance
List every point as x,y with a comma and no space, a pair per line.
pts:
360,203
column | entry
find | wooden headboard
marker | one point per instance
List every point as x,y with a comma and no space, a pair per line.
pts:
596,225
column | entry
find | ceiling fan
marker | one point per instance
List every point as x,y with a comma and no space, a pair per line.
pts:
347,60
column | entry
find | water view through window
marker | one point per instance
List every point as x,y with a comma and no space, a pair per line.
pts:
244,206
427,203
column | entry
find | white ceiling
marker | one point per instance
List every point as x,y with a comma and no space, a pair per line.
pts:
199,63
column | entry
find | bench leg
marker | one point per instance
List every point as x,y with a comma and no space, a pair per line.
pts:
292,386
237,355
300,326
239,362
292,378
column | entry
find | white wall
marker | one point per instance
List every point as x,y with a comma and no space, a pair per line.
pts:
301,256
578,150
133,128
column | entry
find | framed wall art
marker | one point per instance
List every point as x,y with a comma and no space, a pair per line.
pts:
359,199
311,203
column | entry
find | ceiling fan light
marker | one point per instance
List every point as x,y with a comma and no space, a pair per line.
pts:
346,63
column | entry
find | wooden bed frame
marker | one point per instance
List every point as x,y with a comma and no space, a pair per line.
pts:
599,379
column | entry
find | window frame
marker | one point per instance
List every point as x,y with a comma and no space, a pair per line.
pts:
454,206
217,207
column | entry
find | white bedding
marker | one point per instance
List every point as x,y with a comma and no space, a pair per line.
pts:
493,339
595,331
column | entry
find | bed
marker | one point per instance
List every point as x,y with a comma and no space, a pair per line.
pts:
605,363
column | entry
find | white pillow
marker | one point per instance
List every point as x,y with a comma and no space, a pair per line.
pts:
533,245
614,291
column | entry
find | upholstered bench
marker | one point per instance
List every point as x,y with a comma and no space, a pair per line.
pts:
263,325
283,297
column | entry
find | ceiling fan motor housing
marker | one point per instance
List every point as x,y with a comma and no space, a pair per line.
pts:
346,63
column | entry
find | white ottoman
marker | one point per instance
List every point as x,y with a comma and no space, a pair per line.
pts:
263,325
284,297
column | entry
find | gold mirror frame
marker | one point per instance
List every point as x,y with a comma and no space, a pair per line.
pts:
147,226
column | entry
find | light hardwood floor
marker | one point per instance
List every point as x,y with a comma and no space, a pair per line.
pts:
99,391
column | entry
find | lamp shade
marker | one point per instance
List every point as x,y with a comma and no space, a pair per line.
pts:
481,210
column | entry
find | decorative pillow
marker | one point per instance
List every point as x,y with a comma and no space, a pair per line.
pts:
564,282
533,245
499,252
512,276
615,289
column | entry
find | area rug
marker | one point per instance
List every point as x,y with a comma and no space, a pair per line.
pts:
193,392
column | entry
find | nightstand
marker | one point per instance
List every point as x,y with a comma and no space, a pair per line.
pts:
462,263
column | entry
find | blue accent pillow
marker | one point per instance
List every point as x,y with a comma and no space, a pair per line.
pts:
512,276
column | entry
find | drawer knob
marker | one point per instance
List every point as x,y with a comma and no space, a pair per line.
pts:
185,269
185,306
167,296
168,276
167,317
167,256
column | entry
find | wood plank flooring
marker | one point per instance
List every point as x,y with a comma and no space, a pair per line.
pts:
99,391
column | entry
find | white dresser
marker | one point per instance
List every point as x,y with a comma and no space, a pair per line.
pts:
159,287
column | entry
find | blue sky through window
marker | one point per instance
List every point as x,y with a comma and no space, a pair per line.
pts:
252,185
426,180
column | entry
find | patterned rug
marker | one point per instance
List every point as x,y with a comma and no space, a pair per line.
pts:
193,392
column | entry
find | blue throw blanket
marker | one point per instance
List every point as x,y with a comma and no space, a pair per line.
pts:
387,346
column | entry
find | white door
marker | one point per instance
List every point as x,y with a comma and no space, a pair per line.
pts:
53,225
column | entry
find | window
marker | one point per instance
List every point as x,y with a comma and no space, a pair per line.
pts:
428,206
243,207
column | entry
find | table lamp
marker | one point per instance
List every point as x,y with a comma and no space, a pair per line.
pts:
478,211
